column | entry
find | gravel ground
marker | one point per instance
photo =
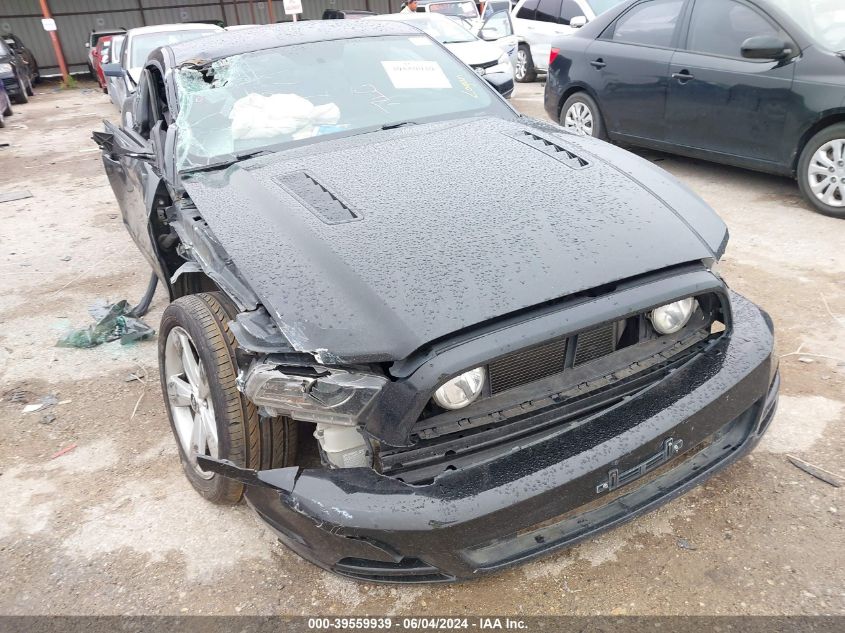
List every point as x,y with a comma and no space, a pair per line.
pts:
112,526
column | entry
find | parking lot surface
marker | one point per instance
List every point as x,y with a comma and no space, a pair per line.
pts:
112,526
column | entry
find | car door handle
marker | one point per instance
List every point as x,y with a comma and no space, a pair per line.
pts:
683,76
598,64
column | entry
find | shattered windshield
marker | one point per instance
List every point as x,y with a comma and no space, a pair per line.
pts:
824,20
272,98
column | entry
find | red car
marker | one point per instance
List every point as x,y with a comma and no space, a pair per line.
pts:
101,56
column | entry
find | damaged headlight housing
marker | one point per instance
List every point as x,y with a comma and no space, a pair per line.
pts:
330,396
673,316
461,391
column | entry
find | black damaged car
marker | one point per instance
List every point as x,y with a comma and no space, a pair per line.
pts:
423,374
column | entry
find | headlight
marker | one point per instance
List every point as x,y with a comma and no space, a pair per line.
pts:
462,391
5,69
503,65
324,395
672,317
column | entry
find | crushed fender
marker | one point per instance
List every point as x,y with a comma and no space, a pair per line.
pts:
113,321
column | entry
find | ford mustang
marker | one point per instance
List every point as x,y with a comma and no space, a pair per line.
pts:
414,371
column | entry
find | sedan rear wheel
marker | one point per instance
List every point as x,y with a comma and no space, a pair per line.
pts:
580,115
821,171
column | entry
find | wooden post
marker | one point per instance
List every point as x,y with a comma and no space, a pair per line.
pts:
57,47
271,14
141,9
252,12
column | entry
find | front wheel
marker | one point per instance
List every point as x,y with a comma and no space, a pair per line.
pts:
524,71
208,415
821,171
22,92
580,114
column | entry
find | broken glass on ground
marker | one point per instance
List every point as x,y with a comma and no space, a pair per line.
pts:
112,322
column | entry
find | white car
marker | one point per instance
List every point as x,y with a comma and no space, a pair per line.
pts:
487,59
139,43
538,22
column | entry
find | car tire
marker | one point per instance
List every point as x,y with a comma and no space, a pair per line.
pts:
823,153
524,71
22,96
206,394
8,110
29,91
580,114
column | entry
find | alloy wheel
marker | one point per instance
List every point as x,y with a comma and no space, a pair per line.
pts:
521,64
189,399
826,173
579,119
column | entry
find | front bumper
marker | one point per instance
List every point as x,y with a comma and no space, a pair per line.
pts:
545,496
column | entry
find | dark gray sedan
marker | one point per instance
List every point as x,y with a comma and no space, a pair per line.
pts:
480,369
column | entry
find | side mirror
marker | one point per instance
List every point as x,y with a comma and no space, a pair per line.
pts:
113,70
578,21
765,47
489,35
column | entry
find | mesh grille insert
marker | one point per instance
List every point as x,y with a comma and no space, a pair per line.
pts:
317,198
595,343
527,365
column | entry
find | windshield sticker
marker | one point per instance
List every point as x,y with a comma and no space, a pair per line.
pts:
416,74
421,41
467,87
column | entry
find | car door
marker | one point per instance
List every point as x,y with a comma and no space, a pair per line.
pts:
629,66
498,30
720,102
132,159
552,21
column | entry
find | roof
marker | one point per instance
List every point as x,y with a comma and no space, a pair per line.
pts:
229,43
161,28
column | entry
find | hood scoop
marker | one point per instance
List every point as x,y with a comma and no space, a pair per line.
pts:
551,148
317,197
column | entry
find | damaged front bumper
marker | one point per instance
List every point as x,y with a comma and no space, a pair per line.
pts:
544,496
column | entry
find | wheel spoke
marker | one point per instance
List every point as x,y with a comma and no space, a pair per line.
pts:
179,391
198,435
189,362
819,186
210,431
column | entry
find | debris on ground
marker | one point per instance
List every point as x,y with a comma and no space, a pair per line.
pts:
806,360
11,196
47,418
685,544
46,401
64,451
113,321
819,473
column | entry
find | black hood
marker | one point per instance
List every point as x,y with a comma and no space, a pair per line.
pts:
370,247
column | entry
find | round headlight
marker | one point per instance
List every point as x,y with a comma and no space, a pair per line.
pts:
461,391
672,317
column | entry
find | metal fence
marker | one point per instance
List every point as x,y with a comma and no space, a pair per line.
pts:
75,19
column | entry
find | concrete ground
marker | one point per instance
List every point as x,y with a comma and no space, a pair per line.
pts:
112,526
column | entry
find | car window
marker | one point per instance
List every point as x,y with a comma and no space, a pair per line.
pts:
650,23
547,11
719,27
568,10
289,94
824,20
600,6
498,25
528,10
458,9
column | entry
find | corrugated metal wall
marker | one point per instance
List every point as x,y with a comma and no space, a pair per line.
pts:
75,19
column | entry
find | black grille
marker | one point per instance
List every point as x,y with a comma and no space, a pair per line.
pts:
595,344
527,365
317,198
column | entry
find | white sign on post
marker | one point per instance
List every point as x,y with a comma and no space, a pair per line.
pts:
293,7
49,24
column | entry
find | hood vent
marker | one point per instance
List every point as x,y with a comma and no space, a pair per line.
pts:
317,198
551,148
